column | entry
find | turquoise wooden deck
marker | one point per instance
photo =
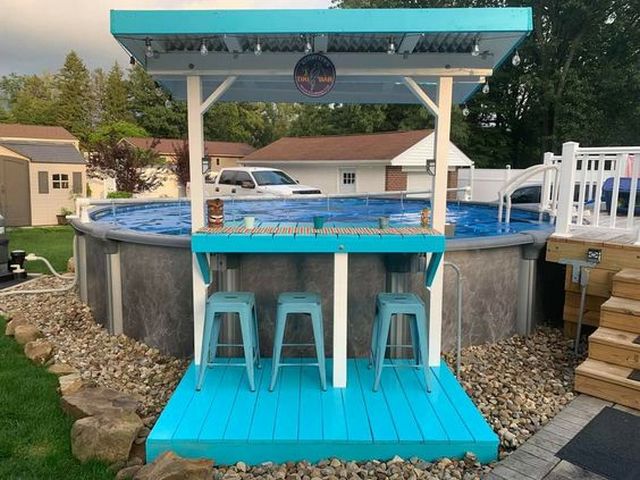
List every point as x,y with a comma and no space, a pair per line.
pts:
298,421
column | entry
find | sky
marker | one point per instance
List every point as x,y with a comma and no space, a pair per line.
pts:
35,35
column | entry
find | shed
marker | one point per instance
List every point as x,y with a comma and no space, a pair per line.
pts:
361,163
41,172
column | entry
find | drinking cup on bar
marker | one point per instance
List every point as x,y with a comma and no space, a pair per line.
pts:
249,222
318,222
383,223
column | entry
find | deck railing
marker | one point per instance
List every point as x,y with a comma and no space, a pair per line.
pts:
598,189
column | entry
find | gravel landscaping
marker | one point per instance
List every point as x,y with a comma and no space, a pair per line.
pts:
116,362
518,384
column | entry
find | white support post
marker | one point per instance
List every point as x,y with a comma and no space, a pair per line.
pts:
196,152
545,197
439,210
340,295
566,189
196,109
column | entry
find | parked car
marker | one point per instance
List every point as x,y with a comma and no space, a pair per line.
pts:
255,181
527,194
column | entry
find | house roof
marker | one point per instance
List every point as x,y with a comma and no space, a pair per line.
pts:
375,146
46,152
165,146
44,132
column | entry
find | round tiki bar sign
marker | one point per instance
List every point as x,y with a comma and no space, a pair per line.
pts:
314,75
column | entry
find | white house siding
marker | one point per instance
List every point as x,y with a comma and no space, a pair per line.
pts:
418,154
45,206
418,180
326,177
370,178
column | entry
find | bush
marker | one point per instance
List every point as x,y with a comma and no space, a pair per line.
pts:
119,195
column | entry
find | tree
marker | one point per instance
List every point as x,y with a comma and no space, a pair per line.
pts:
98,86
578,80
180,165
34,102
234,122
152,108
117,130
115,106
10,86
73,107
135,170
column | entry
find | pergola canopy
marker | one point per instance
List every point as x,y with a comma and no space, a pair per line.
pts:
428,44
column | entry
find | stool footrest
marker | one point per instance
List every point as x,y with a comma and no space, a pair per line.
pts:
298,344
228,364
402,365
298,365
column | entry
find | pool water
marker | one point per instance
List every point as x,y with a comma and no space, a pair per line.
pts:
174,218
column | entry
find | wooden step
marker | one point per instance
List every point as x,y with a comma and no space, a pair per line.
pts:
615,347
626,284
621,314
609,382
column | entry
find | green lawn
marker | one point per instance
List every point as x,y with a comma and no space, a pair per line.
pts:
53,243
34,431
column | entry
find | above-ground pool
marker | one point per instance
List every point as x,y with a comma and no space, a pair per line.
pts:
135,268
174,218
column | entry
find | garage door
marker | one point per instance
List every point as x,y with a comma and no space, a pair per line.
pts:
15,205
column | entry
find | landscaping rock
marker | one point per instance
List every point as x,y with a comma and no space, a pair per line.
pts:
106,437
71,265
138,454
128,473
61,369
116,362
70,384
97,400
170,466
38,351
16,319
26,333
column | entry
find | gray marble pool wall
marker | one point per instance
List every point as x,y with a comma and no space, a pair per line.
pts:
157,294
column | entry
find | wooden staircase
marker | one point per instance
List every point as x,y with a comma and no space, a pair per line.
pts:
612,371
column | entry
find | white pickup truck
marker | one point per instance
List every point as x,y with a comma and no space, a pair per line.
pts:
255,181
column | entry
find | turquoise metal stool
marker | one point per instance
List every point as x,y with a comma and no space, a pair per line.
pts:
306,303
244,304
388,305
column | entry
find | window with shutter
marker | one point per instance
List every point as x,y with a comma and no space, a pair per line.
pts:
77,183
43,182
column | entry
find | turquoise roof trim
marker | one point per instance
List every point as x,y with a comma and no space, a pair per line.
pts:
214,22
